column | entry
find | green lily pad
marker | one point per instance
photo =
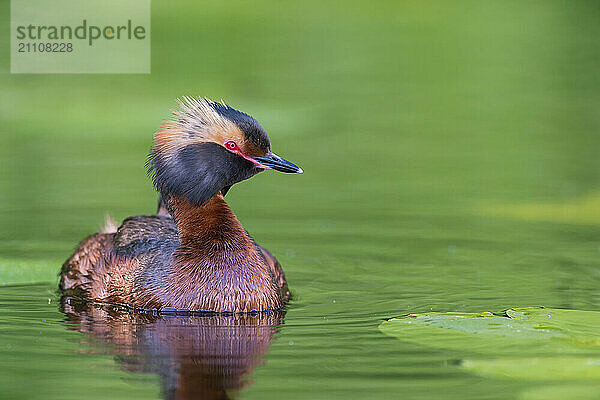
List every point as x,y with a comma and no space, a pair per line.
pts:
482,323
519,330
581,326
521,324
531,343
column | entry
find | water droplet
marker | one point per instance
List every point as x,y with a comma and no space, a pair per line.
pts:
333,301
291,342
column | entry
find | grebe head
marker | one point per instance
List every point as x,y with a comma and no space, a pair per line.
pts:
207,147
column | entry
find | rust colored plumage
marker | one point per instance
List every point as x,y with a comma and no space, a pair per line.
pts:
193,254
203,262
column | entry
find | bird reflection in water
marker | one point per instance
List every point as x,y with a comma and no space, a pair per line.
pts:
196,356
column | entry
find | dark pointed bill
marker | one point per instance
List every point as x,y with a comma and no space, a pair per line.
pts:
273,161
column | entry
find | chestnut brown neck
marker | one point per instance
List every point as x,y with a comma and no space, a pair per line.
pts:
217,266
210,229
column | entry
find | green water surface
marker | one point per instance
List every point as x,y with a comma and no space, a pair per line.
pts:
451,164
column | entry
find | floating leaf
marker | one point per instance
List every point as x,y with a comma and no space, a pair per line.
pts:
482,333
530,343
581,326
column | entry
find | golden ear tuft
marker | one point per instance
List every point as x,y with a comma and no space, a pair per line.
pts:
196,121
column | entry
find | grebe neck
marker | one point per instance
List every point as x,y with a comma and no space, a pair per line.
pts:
209,228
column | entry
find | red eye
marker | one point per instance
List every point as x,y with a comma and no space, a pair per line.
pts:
231,146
